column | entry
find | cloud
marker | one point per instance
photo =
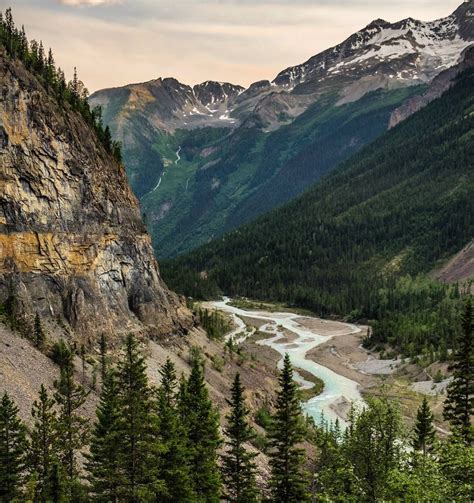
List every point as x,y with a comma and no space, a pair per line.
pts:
196,40
77,3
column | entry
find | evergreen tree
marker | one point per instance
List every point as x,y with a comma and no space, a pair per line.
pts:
103,459
423,431
373,445
56,485
38,334
73,428
136,427
13,446
174,458
238,466
288,480
202,427
44,445
103,357
459,404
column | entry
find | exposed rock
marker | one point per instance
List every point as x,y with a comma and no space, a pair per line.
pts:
440,84
72,242
460,269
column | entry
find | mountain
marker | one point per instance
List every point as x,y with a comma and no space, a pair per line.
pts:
207,159
73,245
402,205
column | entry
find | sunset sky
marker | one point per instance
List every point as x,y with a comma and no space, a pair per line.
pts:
115,42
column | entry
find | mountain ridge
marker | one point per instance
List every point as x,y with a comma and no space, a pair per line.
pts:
254,149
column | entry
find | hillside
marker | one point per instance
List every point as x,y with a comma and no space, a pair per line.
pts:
244,152
403,205
73,245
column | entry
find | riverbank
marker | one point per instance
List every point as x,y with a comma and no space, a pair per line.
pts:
345,356
296,334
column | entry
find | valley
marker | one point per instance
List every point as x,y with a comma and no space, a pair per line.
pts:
248,151
332,352
309,337
339,392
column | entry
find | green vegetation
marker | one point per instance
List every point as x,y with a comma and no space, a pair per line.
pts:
201,423
72,426
356,242
73,93
424,433
238,466
315,390
161,444
13,448
226,178
459,407
289,482
214,323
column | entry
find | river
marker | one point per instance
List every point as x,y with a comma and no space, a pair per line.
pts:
338,391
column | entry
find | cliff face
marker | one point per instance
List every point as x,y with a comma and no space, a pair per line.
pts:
72,243
438,86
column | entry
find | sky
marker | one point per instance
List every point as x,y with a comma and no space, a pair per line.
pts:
116,42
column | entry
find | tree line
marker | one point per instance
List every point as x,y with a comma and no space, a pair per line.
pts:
165,444
33,55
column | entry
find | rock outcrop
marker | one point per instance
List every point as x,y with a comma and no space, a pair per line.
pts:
440,84
73,246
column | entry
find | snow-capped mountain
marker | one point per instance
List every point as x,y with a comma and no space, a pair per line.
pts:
409,49
381,55
168,104
208,158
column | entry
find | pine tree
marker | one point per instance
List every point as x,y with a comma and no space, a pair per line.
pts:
13,447
174,458
103,357
72,427
137,427
103,459
288,480
202,427
459,404
38,333
238,466
423,431
44,445
57,491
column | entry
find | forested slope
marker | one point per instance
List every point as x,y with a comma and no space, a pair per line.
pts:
400,206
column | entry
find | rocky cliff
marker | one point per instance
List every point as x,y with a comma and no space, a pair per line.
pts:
73,246
438,86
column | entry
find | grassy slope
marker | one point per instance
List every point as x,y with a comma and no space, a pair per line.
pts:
251,172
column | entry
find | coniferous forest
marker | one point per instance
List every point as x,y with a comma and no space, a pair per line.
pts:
165,443
360,243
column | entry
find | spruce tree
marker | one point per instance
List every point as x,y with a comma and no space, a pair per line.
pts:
44,445
38,332
238,466
103,458
13,448
72,427
57,490
288,479
137,427
423,431
202,428
174,458
459,404
103,357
